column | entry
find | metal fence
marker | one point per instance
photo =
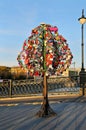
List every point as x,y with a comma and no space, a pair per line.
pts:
58,86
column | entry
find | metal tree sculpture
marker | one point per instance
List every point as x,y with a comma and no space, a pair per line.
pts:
45,53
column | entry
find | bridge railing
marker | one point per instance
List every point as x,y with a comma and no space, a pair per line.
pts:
28,87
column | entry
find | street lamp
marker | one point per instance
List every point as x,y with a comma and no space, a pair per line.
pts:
82,73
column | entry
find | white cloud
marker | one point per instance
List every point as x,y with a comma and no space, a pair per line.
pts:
8,51
11,32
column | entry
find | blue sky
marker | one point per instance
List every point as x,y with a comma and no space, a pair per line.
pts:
19,17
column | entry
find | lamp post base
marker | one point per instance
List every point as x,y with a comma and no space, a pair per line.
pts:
82,75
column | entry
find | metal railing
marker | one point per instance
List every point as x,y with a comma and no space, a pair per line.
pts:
58,85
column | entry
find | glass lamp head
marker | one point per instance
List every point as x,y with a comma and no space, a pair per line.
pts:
82,20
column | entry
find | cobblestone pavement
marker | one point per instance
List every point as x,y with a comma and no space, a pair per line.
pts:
70,115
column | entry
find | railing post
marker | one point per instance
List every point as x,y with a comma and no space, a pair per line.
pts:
10,85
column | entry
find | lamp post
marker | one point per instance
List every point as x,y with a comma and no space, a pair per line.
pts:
82,73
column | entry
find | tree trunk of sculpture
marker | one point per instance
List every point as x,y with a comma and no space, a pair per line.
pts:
46,110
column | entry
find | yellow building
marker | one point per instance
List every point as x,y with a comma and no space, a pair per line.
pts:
5,72
17,72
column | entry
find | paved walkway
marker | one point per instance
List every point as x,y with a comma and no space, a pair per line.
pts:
71,115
